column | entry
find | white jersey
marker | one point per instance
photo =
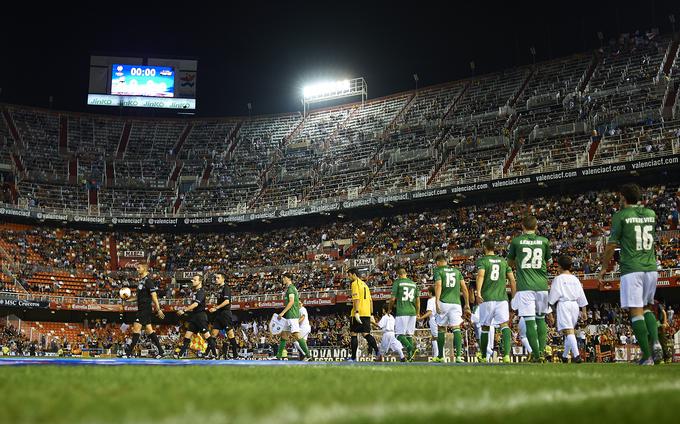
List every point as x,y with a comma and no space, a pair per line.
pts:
567,288
305,326
432,306
386,323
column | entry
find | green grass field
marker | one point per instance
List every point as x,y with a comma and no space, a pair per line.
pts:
339,394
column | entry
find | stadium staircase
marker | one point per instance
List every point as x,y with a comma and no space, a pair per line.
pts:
63,134
123,141
205,175
18,163
509,159
73,170
174,175
93,198
233,139
109,173
588,73
182,138
523,87
13,129
592,149
113,252
669,58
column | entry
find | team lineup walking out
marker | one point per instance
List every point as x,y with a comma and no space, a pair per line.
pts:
501,285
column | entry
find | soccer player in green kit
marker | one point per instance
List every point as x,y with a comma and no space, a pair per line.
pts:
492,273
528,254
291,316
448,286
406,296
634,230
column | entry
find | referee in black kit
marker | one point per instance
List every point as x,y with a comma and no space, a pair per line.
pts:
221,318
147,300
197,318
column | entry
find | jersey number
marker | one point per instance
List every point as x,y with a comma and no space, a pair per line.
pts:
408,295
495,272
643,237
533,258
450,280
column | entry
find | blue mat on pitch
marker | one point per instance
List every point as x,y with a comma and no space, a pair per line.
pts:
24,361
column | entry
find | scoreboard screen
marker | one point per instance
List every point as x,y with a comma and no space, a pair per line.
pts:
139,80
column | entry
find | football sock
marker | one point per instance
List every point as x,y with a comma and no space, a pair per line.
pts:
652,327
567,346
225,350
405,342
458,341
354,343
156,342
303,345
532,335
525,343
212,349
372,344
135,340
642,335
441,339
542,331
506,334
411,344
282,347
185,347
484,340
234,348
571,339
435,348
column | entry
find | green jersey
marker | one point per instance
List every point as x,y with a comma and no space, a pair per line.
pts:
530,253
406,292
634,230
495,269
450,278
294,311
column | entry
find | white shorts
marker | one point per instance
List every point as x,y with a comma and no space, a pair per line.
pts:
389,343
529,303
451,315
567,315
494,312
405,325
638,288
434,329
291,325
304,332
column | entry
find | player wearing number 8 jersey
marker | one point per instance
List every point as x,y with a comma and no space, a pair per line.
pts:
406,296
633,230
492,272
528,254
448,286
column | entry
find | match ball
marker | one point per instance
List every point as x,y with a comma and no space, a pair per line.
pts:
125,293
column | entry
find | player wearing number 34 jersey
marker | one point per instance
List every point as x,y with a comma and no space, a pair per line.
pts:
529,254
406,296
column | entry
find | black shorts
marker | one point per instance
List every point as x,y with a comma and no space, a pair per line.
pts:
221,321
360,328
144,316
198,322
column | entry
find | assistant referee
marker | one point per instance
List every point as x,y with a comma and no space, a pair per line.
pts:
362,309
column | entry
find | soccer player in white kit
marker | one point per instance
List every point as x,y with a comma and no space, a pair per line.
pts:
430,313
305,329
389,341
566,290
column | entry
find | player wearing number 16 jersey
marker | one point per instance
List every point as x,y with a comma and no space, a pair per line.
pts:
528,254
448,286
633,230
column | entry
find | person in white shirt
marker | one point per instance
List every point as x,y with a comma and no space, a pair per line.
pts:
305,328
429,314
388,342
566,290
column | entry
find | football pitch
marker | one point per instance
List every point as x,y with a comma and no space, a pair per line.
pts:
327,393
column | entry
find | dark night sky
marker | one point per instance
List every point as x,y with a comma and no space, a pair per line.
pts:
264,53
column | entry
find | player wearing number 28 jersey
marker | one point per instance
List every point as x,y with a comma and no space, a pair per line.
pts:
448,286
633,230
529,254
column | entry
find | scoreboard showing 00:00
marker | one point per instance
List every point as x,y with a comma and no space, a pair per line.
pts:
137,80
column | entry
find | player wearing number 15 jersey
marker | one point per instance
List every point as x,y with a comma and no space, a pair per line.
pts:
448,286
633,230
528,254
